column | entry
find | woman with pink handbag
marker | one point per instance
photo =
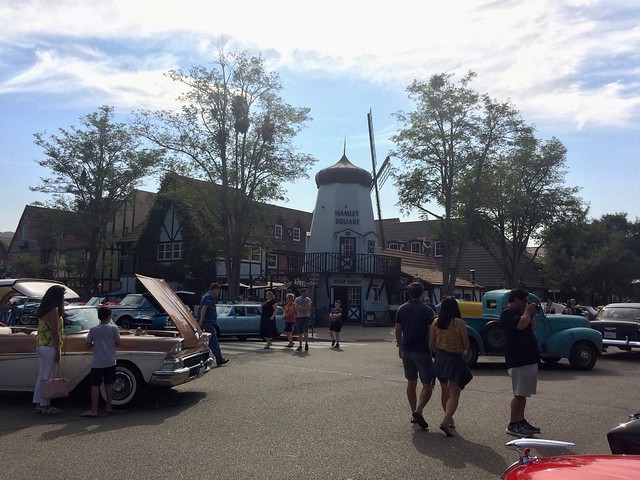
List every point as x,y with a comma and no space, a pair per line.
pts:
48,343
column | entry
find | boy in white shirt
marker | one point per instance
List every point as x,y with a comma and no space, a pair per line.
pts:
103,339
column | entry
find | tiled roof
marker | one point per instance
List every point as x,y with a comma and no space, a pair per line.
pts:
489,273
421,266
5,241
487,270
289,218
397,231
135,233
50,228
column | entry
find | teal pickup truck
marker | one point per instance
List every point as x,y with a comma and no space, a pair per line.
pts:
559,336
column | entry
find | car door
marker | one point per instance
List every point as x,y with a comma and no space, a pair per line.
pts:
241,320
253,319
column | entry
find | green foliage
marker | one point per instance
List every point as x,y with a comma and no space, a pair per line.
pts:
598,259
522,192
445,145
93,170
235,131
28,266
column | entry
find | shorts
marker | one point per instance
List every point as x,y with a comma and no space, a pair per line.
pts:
106,373
302,324
288,327
418,364
335,325
524,380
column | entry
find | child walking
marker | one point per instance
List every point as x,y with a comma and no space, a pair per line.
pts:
336,324
103,339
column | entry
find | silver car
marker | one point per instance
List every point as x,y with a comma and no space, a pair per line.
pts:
242,320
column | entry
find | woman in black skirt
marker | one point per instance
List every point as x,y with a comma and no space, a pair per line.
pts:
268,328
449,340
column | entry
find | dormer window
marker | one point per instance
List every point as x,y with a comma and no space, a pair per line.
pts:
394,246
438,249
277,230
415,247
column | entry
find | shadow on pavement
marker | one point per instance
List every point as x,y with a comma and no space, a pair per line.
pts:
438,446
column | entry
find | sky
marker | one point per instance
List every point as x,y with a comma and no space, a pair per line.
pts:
571,67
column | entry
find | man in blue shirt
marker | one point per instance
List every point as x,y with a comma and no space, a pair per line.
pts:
207,319
413,321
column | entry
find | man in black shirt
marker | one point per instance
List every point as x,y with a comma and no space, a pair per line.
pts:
413,320
522,358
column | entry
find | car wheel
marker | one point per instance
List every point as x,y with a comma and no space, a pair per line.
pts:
494,337
128,385
125,322
471,355
583,356
25,319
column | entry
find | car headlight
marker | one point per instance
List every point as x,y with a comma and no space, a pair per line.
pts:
178,347
171,364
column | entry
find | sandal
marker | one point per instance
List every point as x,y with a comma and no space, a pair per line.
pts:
447,431
417,416
51,411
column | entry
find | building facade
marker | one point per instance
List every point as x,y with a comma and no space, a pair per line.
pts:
343,259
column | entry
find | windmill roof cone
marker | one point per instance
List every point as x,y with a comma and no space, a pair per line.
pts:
343,172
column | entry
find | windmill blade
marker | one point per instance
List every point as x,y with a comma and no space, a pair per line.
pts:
384,171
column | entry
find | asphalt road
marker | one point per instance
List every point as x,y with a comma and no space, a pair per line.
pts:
322,415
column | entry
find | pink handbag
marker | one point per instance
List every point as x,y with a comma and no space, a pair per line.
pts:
56,386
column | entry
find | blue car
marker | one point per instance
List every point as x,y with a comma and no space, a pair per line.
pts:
242,320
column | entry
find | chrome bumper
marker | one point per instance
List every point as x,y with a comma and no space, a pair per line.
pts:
170,378
620,343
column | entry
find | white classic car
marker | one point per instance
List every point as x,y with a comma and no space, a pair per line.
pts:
153,359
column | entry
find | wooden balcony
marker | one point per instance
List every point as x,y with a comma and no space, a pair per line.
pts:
359,264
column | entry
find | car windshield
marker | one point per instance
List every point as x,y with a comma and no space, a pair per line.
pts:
95,301
80,319
622,313
132,300
222,309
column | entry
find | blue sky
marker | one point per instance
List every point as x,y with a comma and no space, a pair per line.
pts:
571,67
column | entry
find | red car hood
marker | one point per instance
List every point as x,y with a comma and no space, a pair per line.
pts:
574,467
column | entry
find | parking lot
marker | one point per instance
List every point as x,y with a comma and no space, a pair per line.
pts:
324,414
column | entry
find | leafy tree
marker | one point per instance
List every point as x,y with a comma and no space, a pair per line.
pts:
599,260
522,192
445,145
94,169
28,266
235,131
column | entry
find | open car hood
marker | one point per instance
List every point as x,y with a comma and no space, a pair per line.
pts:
170,303
34,288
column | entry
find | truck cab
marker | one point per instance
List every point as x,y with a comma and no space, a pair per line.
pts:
559,336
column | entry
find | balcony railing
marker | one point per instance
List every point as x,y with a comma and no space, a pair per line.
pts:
360,263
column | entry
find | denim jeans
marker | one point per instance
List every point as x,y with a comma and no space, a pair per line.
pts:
213,342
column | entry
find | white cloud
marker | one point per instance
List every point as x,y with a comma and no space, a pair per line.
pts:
539,53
